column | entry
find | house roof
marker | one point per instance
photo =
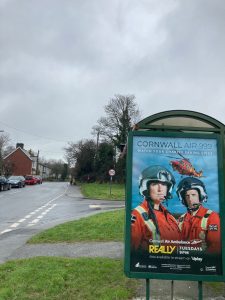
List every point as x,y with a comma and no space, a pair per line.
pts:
19,148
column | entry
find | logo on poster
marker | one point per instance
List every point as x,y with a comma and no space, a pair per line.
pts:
161,249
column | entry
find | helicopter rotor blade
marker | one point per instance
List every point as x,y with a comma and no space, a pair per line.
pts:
182,156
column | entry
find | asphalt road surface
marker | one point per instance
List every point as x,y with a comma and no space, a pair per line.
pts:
27,211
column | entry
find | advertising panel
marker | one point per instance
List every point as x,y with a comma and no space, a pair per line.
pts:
174,206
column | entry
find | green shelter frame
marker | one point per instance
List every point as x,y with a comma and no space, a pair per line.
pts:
177,122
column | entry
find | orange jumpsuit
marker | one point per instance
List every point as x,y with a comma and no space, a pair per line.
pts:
202,226
141,234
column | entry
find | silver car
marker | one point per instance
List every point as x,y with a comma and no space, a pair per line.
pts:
17,181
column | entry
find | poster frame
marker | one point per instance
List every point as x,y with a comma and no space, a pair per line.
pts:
220,156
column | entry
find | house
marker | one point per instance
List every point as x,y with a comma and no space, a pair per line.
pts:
23,162
44,171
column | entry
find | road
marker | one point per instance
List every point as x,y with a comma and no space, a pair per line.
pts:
27,211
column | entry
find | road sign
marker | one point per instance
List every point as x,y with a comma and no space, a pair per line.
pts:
112,172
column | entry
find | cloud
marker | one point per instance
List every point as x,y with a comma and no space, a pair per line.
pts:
60,63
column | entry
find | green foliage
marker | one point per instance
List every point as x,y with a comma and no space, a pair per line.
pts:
85,158
64,172
82,155
107,226
48,278
121,170
57,168
104,161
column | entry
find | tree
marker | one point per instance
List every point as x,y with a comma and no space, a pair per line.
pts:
81,155
7,150
57,168
4,140
71,154
121,170
64,172
104,160
121,114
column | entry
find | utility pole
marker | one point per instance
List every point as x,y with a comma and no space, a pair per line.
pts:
37,163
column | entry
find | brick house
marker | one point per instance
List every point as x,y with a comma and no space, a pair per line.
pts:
22,162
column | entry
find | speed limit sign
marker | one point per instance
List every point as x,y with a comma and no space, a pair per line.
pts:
112,172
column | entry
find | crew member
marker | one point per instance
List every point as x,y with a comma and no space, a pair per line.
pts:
199,225
151,222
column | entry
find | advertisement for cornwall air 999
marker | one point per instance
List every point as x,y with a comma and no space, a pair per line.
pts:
175,207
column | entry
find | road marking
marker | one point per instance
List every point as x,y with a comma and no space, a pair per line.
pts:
95,206
35,221
27,216
7,230
14,225
21,220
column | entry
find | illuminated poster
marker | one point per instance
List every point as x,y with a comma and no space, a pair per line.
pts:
175,207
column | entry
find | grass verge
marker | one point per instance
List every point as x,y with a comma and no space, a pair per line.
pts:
218,288
107,226
102,191
47,278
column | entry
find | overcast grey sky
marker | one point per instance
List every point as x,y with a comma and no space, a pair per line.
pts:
61,62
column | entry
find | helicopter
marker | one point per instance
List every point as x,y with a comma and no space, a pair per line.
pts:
184,167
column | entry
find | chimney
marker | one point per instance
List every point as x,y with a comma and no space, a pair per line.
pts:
21,145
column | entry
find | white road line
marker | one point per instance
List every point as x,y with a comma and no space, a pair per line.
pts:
35,221
27,216
4,231
16,224
21,220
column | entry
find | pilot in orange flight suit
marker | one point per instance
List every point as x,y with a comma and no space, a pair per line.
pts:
199,225
151,222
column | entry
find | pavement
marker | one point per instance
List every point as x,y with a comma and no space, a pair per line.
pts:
159,289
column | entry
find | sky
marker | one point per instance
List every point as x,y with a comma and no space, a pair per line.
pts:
62,61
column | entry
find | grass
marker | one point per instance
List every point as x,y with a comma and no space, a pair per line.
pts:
217,287
47,278
102,191
107,226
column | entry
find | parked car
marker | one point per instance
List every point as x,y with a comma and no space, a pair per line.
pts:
30,179
17,181
4,184
38,178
